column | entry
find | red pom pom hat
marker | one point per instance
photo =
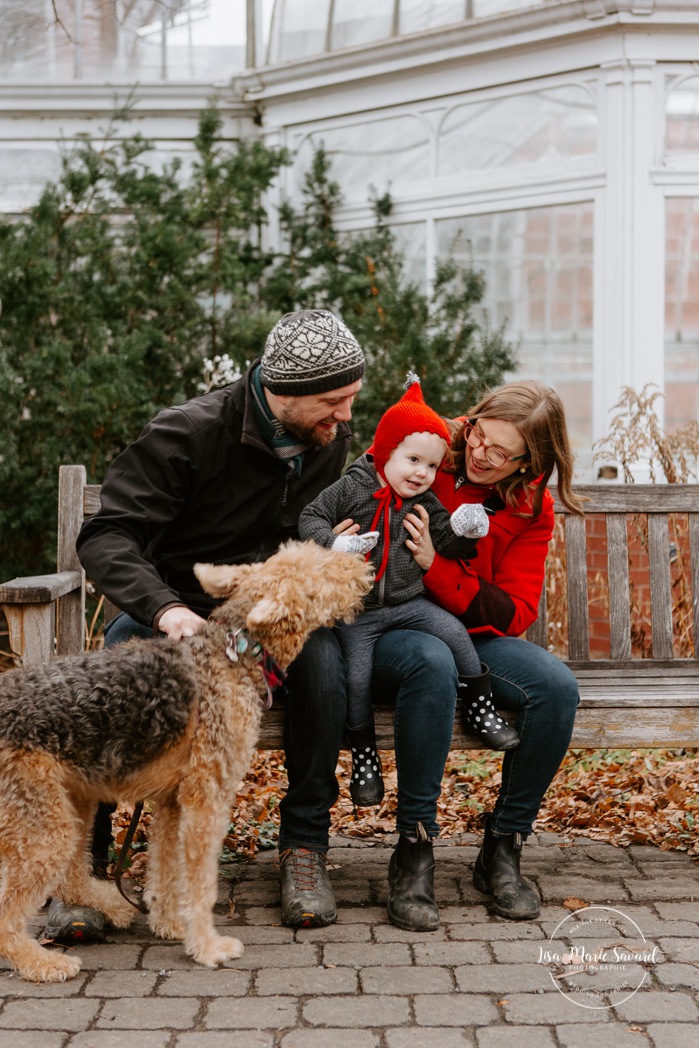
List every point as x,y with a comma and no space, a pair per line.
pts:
409,415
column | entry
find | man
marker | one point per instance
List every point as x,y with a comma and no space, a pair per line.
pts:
223,478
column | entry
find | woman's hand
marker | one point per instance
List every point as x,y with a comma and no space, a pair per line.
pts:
417,523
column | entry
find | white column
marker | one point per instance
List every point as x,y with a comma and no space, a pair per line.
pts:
629,241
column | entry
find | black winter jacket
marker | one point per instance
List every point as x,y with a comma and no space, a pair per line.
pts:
199,485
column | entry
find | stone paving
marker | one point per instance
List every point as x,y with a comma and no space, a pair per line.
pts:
478,981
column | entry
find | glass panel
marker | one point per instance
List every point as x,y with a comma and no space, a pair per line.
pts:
682,118
681,311
361,22
521,129
371,154
426,14
31,45
143,40
411,245
23,175
300,28
483,8
537,265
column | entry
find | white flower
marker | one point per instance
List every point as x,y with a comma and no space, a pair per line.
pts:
220,371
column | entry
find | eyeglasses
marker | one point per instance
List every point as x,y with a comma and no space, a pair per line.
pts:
494,456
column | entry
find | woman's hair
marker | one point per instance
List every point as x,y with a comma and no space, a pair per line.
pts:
537,412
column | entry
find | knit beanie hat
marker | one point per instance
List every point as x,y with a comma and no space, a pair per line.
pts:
310,351
409,415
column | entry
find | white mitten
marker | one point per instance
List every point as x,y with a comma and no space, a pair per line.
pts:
470,521
356,543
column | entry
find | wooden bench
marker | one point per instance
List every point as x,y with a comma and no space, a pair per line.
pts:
626,701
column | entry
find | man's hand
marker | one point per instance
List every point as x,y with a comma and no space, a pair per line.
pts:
178,622
356,543
346,527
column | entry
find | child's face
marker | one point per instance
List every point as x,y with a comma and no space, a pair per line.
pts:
413,464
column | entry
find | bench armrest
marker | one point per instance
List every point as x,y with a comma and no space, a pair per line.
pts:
30,605
40,589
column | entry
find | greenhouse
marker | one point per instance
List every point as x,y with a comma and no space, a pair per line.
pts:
554,145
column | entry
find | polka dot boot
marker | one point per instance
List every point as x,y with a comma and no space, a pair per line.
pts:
479,716
366,784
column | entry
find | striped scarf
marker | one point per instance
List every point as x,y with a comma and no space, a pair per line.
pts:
284,444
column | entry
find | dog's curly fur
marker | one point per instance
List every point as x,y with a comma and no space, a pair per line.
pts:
172,721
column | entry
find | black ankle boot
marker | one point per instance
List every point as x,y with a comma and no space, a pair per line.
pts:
411,902
366,784
496,873
478,715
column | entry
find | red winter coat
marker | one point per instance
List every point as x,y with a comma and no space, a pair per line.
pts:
498,591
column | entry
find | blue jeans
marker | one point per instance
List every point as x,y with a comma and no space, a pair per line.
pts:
412,669
122,627
545,693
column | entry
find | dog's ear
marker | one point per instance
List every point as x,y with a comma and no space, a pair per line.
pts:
267,611
220,580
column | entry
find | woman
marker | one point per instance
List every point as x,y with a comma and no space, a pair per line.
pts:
503,455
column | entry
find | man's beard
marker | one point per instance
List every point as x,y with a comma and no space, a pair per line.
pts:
309,434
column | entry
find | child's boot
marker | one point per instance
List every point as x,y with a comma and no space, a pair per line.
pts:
479,716
366,784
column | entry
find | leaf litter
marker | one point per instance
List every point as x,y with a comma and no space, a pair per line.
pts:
619,797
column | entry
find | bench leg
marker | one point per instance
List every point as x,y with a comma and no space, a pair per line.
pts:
32,631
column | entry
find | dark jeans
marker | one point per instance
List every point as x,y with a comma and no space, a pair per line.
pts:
417,672
533,681
412,669
120,629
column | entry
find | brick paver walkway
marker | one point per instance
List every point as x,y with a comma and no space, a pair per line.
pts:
478,981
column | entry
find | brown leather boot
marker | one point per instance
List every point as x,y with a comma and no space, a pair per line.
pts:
411,901
496,873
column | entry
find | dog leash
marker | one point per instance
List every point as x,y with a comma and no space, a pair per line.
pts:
124,855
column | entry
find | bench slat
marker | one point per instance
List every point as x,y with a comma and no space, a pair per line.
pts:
660,591
693,524
607,728
70,609
537,632
576,575
647,669
635,498
619,602
91,499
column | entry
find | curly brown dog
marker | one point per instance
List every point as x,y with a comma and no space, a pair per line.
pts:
172,721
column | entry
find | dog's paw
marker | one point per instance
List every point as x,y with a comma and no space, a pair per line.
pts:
166,927
217,950
51,968
119,913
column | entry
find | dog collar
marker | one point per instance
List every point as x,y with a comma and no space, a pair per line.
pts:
239,642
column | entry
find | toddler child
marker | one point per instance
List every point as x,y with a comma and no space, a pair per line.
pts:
377,492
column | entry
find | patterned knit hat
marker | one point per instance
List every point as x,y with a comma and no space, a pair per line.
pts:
409,415
310,351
